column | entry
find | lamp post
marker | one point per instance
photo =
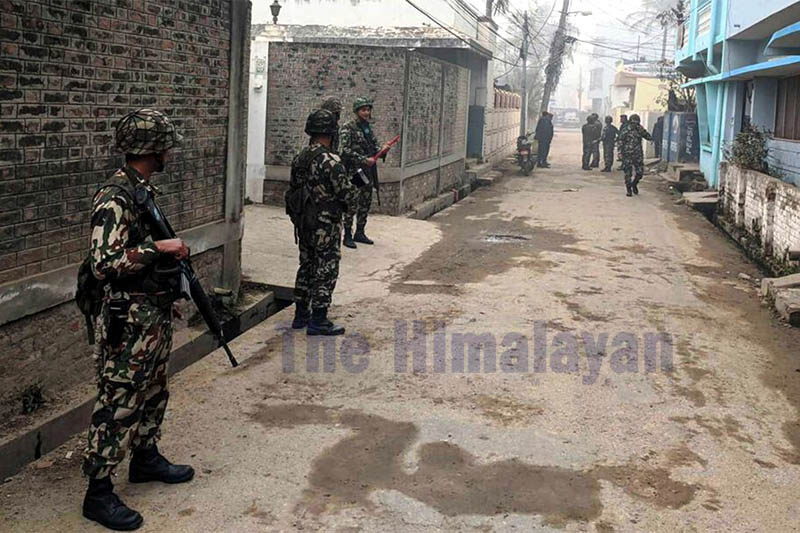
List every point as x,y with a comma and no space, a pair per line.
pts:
275,7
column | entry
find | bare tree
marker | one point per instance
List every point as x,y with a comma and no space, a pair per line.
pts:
494,7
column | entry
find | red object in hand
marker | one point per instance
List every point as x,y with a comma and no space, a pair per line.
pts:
385,150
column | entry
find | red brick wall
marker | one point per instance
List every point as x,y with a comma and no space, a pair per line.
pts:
69,70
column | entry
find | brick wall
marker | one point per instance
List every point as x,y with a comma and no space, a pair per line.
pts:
502,126
301,75
765,210
69,70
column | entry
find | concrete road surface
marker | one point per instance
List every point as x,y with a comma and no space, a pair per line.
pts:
545,355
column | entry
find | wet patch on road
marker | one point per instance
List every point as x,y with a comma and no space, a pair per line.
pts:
450,479
477,242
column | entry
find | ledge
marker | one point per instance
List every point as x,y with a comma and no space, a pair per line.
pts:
15,453
34,294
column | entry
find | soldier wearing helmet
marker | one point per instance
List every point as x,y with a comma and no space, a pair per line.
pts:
632,154
319,192
134,325
357,146
334,105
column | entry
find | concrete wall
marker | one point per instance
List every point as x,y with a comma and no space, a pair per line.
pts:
502,126
784,156
765,210
69,71
257,121
416,96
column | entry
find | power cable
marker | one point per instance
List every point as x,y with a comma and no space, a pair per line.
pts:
450,30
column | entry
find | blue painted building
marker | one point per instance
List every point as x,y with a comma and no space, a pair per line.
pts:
744,60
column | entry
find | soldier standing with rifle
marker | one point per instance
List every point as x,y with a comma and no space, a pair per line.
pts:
319,191
134,325
358,146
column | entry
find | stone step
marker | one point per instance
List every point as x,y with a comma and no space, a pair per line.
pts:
787,304
705,201
770,286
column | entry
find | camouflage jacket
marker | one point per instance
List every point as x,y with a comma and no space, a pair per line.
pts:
357,142
119,238
631,139
328,181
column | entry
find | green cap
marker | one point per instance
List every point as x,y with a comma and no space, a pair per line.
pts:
362,101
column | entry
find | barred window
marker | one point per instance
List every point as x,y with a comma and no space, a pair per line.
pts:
787,119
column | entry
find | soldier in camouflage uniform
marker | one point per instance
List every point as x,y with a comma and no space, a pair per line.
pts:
357,146
598,132
334,105
134,327
317,170
623,123
632,153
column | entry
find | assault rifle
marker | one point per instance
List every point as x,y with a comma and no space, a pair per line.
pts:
190,285
361,176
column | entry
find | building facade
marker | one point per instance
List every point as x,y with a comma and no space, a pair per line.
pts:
744,61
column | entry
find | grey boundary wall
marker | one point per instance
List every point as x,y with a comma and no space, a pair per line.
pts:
421,98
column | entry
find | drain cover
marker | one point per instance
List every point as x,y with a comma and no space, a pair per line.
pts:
504,237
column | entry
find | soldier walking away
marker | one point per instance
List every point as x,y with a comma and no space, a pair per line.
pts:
623,123
632,153
596,147
609,138
133,280
358,145
544,134
319,191
334,105
658,135
591,136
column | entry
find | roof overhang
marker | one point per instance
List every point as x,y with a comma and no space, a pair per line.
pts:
781,67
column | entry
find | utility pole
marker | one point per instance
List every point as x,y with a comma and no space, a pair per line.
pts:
553,69
580,89
523,121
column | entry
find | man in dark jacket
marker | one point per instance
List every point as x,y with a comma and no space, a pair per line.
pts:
658,135
598,126
544,134
591,137
609,137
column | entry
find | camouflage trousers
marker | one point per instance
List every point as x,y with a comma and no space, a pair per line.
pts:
363,203
608,154
132,390
633,164
319,266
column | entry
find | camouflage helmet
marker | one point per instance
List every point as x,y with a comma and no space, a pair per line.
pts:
146,131
321,122
332,104
362,101
634,118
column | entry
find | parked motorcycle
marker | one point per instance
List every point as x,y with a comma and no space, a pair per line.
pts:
525,154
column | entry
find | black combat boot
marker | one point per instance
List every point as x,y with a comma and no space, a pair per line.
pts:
607,169
320,325
149,465
360,236
634,185
301,315
348,237
105,507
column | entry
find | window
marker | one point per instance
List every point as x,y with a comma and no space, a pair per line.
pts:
596,78
787,118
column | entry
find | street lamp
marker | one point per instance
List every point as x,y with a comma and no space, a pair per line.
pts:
582,13
276,10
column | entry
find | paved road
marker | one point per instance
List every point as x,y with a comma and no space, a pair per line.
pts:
545,394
